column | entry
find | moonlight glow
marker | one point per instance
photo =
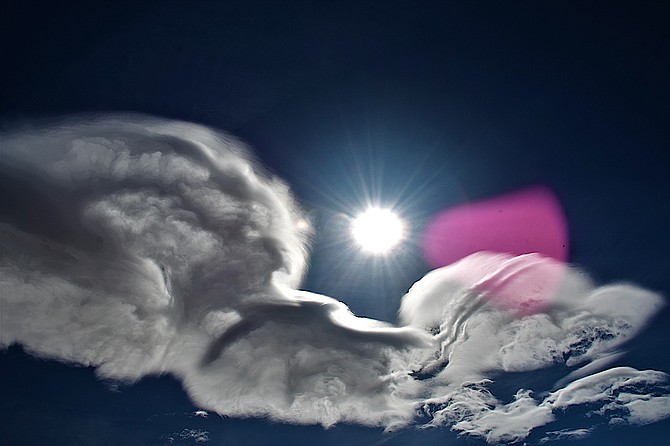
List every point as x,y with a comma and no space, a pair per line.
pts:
377,230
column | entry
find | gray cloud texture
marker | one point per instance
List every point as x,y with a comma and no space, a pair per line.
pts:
144,246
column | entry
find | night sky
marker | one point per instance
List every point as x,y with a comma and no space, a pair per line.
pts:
423,105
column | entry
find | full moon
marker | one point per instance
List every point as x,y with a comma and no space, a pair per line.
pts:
377,230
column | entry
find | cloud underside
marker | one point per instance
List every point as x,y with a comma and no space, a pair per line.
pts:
142,246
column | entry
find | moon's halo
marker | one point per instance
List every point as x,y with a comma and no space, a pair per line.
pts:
377,230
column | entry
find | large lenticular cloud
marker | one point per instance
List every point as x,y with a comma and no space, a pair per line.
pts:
144,246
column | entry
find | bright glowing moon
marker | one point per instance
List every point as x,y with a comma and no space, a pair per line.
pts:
377,230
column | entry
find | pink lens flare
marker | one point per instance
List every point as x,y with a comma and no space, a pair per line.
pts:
527,221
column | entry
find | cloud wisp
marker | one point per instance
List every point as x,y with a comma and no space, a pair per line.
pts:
143,246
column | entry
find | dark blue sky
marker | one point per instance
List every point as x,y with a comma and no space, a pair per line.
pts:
435,103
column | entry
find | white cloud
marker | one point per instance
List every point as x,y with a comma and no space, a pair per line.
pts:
566,434
197,435
647,409
161,247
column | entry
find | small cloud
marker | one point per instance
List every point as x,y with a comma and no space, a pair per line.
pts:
638,408
566,434
197,435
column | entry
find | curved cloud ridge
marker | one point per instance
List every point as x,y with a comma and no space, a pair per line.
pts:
145,246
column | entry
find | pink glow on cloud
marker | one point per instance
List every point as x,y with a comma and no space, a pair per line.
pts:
524,284
530,220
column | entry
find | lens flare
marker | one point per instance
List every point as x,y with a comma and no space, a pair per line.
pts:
526,221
